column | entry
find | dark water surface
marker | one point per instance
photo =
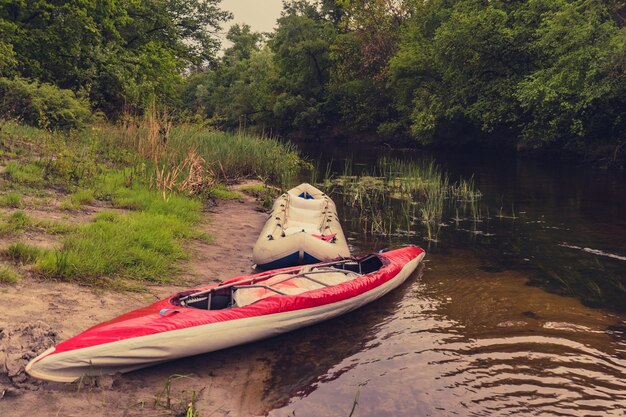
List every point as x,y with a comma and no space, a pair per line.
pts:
472,338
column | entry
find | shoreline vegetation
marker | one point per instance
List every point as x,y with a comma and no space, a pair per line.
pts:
148,182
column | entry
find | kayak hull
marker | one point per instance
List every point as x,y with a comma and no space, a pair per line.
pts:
266,318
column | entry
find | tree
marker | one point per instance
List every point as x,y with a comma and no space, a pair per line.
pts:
301,47
120,54
577,93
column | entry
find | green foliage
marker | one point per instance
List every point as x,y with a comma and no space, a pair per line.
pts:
578,89
548,68
539,73
7,58
301,47
41,104
240,89
281,86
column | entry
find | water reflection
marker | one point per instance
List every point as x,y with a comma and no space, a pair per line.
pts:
315,356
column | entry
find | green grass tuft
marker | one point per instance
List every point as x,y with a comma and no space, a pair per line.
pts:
265,195
19,220
11,199
220,192
29,174
8,275
54,227
115,187
84,196
135,246
23,253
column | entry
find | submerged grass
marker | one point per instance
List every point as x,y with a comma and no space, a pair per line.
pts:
394,195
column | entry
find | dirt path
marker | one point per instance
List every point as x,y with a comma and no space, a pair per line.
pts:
35,315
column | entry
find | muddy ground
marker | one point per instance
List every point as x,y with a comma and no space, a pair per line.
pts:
36,314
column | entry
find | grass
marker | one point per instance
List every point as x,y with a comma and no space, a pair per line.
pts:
241,155
185,406
31,174
8,275
138,246
197,157
19,221
220,192
156,173
264,194
81,197
394,195
23,253
15,222
12,199
118,248
54,227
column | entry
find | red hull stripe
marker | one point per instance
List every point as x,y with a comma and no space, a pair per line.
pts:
148,321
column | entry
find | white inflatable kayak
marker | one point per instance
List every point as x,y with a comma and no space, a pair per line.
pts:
303,228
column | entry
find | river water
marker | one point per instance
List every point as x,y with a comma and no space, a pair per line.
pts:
521,313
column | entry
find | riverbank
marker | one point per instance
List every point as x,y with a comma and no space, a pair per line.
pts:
104,220
38,314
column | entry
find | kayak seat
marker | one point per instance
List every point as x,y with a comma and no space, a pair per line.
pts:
290,284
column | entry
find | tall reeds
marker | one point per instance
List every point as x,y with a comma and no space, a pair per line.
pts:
394,196
191,158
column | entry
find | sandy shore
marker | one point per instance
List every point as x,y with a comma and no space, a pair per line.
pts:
36,315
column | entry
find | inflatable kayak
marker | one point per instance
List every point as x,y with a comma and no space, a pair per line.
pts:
230,313
303,228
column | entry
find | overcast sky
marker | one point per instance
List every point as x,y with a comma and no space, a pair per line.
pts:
261,15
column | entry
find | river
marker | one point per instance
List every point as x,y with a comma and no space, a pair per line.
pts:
518,313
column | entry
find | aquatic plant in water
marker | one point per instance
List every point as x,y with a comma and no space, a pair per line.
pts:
395,196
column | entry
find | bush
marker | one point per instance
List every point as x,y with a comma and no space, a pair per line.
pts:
42,105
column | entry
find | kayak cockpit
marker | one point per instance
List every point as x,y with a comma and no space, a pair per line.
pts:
307,278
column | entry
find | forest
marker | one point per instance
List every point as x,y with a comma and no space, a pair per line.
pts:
547,76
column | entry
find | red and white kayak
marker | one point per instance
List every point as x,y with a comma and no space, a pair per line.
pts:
234,312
